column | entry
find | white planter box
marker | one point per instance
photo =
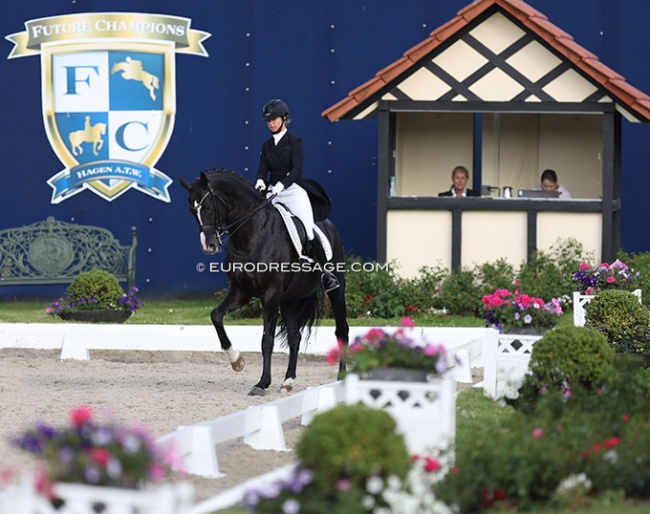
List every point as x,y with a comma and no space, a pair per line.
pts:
426,417
506,362
80,499
581,300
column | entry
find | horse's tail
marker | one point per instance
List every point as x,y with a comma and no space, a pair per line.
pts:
308,313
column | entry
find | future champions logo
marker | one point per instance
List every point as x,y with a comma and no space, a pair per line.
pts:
109,98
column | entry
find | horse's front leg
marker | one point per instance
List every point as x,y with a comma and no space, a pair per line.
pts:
268,339
234,299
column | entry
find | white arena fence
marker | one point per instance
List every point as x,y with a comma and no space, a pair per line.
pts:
260,427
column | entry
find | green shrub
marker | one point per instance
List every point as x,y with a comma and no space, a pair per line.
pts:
621,318
461,294
640,262
521,458
97,284
570,356
352,442
497,275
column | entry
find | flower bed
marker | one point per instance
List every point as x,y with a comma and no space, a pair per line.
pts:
508,311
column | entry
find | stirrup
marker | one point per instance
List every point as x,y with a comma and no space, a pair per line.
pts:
329,282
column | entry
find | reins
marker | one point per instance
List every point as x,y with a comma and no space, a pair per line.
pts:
237,224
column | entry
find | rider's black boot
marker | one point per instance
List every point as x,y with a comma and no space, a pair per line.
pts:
328,279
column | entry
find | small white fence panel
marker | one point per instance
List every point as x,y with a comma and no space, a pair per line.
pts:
425,412
85,499
580,301
506,361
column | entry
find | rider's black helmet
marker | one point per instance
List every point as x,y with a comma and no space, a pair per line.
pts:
275,108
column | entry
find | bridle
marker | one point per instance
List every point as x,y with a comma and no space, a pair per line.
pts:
218,225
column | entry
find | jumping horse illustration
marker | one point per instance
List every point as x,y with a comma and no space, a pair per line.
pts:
90,134
132,70
226,204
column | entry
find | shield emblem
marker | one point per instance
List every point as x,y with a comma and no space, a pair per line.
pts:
108,110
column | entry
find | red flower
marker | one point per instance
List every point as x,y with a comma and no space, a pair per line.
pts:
81,415
100,455
612,441
431,465
596,447
626,417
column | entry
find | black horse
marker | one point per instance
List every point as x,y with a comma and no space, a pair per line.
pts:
262,262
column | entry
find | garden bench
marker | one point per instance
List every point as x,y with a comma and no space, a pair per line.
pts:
55,252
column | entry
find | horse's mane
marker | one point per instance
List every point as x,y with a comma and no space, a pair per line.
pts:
233,177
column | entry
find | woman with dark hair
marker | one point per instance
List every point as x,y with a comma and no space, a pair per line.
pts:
549,182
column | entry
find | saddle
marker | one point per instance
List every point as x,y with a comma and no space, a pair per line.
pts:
298,234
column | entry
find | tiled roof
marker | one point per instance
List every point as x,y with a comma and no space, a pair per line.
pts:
635,101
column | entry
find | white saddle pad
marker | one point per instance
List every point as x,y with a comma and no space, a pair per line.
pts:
287,216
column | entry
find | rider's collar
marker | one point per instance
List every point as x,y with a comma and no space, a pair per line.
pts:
279,135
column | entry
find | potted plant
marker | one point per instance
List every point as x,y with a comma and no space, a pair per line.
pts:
407,377
520,313
95,459
590,280
95,296
394,356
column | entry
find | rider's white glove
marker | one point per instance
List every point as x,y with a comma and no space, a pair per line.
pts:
260,185
277,188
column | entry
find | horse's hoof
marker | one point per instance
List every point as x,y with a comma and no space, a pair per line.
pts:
287,386
257,391
239,363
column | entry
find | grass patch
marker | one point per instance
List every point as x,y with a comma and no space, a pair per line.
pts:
197,312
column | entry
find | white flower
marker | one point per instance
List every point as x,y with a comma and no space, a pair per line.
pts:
574,482
291,506
374,485
611,456
367,502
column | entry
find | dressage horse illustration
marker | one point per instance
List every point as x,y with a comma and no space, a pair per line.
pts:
132,70
225,204
90,134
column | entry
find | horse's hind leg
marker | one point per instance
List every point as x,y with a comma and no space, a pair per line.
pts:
289,316
339,309
233,301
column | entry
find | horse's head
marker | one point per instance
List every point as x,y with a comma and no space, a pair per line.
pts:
207,208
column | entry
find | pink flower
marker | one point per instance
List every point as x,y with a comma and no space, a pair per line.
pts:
407,322
431,350
584,265
156,472
611,280
611,442
333,356
344,484
375,334
81,415
537,433
48,310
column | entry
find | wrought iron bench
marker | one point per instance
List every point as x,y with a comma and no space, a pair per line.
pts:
55,252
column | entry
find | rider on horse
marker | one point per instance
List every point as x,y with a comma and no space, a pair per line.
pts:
280,174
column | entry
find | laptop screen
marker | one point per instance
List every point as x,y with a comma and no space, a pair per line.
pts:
535,193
